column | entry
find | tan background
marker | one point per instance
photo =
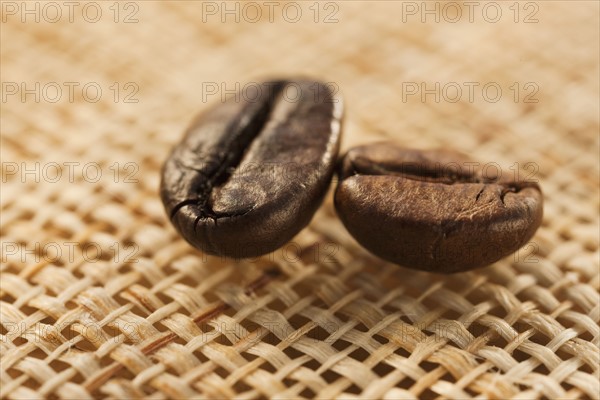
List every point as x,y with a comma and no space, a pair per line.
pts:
336,322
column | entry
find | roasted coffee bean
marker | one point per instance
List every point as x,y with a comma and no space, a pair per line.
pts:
251,172
434,210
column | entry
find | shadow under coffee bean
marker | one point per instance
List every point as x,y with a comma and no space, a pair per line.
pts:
251,172
433,210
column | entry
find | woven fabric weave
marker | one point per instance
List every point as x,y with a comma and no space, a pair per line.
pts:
101,298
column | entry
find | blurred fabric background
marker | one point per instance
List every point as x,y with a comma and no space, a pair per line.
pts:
101,297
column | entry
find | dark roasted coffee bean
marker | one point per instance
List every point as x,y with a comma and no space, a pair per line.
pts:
434,210
251,172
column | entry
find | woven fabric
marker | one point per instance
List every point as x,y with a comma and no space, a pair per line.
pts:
101,297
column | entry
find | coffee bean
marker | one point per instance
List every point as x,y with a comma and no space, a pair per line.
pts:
434,210
251,172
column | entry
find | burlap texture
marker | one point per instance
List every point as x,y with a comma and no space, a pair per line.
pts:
101,297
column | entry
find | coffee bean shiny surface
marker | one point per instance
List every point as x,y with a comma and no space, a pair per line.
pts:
250,172
434,210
